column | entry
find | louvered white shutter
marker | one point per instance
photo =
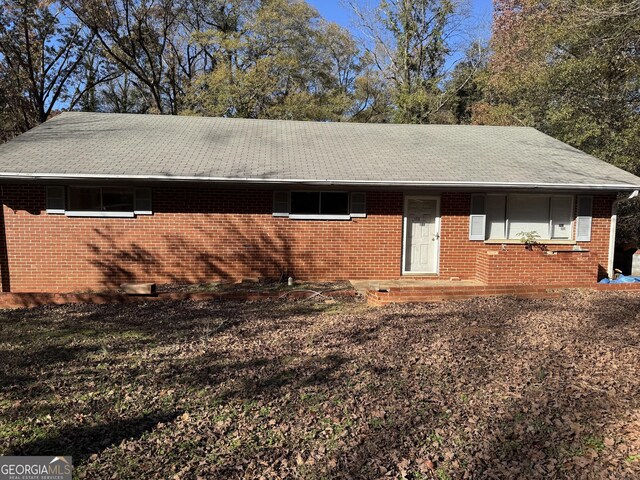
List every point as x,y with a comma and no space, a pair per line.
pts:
280,204
55,199
478,218
561,215
142,201
358,204
584,218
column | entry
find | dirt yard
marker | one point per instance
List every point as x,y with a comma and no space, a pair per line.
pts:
492,388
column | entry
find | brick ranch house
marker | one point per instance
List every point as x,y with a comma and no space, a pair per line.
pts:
94,200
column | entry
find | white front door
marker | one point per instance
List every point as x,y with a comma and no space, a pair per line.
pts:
421,236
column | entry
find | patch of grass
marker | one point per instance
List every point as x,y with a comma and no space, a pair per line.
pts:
70,333
436,439
442,474
416,476
541,374
313,399
274,438
264,411
540,426
595,443
133,335
26,431
509,447
376,422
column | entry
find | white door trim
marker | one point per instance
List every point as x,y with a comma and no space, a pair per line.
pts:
404,236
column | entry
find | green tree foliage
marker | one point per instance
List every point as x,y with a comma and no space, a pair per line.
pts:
13,107
571,69
249,58
243,58
123,95
372,98
409,44
418,29
280,60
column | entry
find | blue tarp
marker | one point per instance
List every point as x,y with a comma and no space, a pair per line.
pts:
622,279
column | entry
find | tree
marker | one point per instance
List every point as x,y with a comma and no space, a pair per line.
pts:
278,60
372,98
408,40
137,35
13,108
572,70
42,49
123,95
466,87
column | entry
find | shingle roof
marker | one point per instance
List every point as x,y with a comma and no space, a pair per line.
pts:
94,145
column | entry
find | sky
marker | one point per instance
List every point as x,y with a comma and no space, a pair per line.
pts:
335,11
477,24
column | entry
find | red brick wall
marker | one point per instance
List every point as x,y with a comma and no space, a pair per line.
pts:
459,256
196,234
457,253
200,234
601,231
523,267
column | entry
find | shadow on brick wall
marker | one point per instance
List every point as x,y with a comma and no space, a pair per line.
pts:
179,258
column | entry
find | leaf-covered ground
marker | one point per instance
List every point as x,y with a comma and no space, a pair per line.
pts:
497,388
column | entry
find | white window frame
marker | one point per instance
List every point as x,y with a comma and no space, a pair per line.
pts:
550,222
100,213
319,216
506,219
97,213
508,196
287,208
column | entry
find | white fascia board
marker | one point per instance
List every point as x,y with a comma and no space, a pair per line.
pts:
276,181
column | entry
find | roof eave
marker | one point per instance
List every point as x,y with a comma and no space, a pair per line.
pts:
618,187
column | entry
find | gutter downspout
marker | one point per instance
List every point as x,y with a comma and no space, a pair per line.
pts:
612,234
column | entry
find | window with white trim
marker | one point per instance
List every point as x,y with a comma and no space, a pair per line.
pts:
102,201
323,205
507,217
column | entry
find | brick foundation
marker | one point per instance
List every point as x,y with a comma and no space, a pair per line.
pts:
518,266
205,233
441,293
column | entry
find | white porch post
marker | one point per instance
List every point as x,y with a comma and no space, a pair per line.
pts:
612,238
